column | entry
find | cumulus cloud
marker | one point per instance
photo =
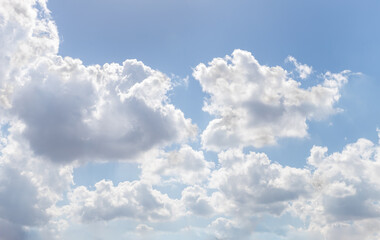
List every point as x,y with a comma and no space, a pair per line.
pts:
185,166
26,33
29,187
347,191
111,112
133,200
226,229
254,104
336,196
56,110
252,185
196,201
72,111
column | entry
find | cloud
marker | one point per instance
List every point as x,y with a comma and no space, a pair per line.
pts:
133,200
254,104
227,229
185,166
76,112
336,196
197,202
252,185
29,187
347,191
112,112
303,70
57,113
26,34
143,228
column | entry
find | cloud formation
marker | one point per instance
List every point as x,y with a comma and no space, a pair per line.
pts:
254,104
185,166
251,184
135,200
116,111
75,112
56,114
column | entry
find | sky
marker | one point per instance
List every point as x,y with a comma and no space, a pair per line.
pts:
211,120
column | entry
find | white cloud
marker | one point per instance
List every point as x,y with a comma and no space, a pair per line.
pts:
72,111
254,105
29,188
58,109
26,34
252,185
111,112
337,196
346,200
197,202
185,165
227,229
133,200
303,70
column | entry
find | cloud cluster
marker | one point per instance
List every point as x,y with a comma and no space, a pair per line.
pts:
56,113
254,104
336,196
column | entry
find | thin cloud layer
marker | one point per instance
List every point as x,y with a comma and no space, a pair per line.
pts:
254,104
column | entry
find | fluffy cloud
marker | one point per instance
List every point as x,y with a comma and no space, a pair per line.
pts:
29,187
197,202
256,104
347,192
56,110
72,111
26,33
110,112
225,229
252,185
185,165
134,200
336,196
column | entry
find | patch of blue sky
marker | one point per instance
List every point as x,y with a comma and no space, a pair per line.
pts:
93,172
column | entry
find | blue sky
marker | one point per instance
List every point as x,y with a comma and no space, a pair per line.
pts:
189,119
